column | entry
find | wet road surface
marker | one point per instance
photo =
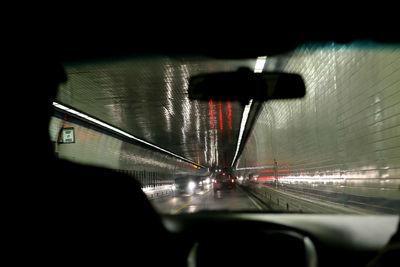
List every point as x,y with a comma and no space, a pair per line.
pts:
230,199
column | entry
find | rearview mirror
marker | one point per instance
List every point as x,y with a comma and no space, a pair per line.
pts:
244,85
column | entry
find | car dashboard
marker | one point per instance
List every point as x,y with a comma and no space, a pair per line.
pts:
257,239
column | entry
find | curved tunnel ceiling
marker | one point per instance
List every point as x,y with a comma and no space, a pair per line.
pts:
147,97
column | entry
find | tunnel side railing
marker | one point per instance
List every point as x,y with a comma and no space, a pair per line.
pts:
297,199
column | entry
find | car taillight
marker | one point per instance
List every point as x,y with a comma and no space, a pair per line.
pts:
215,181
232,180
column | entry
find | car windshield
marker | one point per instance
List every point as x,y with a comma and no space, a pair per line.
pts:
337,150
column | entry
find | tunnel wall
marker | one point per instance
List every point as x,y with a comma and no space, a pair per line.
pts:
346,131
97,147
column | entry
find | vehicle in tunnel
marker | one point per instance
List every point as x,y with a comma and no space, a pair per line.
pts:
133,115
224,181
188,185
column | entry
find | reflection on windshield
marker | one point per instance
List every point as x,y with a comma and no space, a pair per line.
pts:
335,151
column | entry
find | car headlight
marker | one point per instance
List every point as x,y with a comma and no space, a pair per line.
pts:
191,185
173,187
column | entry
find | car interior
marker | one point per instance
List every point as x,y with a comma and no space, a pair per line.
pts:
82,214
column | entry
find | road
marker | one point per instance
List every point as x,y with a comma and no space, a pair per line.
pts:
233,200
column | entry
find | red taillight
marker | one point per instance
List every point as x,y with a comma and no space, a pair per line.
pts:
215,181
232,180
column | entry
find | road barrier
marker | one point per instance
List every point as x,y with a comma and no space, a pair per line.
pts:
158,192
278,199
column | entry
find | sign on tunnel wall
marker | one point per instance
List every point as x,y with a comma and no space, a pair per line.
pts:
67,135
99,149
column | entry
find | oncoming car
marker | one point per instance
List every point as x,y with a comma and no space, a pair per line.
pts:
187,185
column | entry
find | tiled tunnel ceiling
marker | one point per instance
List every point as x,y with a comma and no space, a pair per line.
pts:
147,97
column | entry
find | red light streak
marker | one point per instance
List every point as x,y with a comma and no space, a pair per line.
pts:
264,178
271,170
221,124
66,125
229,115
285,170
265,171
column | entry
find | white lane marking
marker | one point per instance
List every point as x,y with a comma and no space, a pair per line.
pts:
194,197
255,203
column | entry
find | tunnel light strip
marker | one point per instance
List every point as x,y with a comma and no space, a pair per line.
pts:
258,68
256,168
245,116
114,129
260,64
